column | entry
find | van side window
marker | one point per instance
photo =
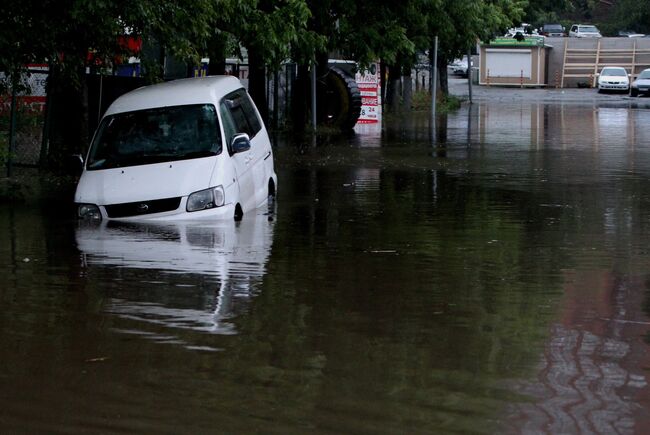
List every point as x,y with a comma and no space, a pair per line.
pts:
242,112
229,128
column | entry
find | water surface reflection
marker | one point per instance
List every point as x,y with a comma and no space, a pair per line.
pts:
492,278
218,266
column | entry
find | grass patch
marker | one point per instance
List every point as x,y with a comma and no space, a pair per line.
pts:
446,103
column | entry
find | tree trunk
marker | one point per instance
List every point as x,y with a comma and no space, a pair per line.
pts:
69,117
300,99
257,81
216,51
322,68
442,74
407,85
393,92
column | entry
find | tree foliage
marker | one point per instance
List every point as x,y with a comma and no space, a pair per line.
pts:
632,15
74,34
63,31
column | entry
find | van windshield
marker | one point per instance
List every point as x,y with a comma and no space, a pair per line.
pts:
155,135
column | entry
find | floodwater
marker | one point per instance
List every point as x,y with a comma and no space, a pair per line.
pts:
491,278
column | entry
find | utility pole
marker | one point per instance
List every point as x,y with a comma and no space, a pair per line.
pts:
313,95
469,73
434,84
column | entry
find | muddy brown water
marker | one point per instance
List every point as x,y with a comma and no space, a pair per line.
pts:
490,278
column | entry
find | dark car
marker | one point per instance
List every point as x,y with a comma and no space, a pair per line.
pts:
642,84
553,30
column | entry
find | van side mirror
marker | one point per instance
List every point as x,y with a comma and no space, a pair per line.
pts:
75,164
240,143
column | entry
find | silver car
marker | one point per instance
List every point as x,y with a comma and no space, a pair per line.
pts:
642,84
584,31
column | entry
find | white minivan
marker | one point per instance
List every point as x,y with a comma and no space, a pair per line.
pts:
185,149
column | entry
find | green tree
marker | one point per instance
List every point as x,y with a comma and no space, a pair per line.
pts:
72,35
632,15
267,29
460,24
540,12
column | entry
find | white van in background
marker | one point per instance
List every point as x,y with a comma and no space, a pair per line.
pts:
186,149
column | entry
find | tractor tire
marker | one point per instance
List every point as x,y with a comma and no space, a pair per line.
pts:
341,106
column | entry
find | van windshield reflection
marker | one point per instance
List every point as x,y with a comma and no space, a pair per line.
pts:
156,135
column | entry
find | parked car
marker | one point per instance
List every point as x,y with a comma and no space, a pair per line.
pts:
584,31
460,66
553,30
642,84
630,34
190,148
613,78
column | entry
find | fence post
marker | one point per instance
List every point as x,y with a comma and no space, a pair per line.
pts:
557,79
12,126
45,139
521,79
487,79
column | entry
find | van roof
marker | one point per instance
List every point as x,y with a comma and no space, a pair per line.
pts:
199,90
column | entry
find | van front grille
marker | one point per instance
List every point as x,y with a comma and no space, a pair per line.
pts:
141,208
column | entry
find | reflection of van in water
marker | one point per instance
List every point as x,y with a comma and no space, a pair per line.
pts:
191,148
222,262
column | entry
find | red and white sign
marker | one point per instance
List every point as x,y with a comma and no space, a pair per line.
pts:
368,82
35,83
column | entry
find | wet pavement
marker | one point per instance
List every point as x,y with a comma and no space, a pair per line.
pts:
489,278
549,94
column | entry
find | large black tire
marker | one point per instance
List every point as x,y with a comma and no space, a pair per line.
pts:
634,92
341,106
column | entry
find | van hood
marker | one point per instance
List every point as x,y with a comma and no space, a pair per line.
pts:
145,182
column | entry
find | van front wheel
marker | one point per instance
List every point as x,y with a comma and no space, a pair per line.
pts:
239,214
271,191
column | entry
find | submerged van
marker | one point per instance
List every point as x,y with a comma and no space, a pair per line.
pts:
190,148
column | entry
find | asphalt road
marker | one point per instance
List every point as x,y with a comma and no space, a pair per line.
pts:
459,87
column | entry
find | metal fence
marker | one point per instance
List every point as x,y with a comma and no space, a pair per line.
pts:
22,116
21,129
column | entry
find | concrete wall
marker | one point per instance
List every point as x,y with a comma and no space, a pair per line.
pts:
556,56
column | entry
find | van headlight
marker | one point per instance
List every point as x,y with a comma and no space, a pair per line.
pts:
205,199
89,212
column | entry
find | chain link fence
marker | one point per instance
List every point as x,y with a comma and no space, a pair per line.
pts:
22,116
